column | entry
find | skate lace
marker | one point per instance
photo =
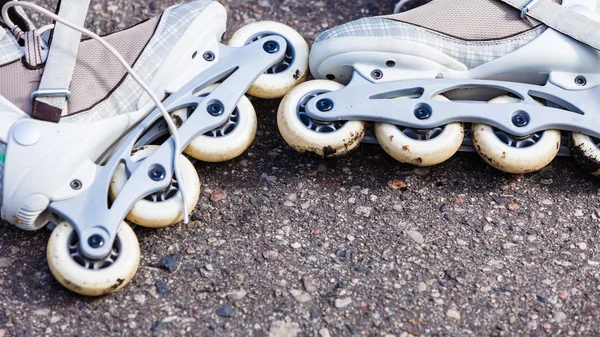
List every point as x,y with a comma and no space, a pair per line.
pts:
171,125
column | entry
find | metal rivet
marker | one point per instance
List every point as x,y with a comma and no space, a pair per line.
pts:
580,81
96,241
271,47
209,56
521,119
215,109
391,63
157,172
377,74
325,105
423,111
76,184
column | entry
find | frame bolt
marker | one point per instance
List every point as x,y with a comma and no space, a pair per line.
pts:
156,173
423,112
325,105
96,241
271,47
521,119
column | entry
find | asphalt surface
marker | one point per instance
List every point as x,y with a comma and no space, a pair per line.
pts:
306,247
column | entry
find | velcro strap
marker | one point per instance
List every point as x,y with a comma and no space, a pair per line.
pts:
578,26
60,63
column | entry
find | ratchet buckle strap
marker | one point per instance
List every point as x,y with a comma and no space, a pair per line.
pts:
50,101
578,26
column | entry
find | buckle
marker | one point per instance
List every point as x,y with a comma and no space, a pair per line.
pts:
51,93
527,7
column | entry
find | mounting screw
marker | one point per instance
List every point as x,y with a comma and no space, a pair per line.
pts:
521,119
377,74
215,109
423,111
96,241
390,63
325,105
157,172
76,184
209,56
580,81
271,47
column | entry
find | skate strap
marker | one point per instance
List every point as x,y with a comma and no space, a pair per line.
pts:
576,25
50,101
18,16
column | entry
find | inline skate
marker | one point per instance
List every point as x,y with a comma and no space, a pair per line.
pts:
87,140
515,80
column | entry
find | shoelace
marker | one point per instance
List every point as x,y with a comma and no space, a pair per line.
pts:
171,125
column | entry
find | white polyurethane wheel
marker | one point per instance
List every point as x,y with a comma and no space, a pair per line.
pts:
88,277
166,207
292,71
421,152
586,152
304,139
228,141
513,159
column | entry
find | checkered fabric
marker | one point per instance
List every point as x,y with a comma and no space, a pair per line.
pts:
470,53
123,100
9,49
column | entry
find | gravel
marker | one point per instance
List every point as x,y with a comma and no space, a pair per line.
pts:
457,249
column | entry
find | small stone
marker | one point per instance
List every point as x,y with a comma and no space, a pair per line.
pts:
563,296
55,318
397,185
209,267
5,262
3,333
560,316
398,208
310,284
132,325
140,298
301,296
190,251
422,171
416,236
226,311
305,205
364,211
161,287
236,295
593,263
350,238
582,245
41,312
271,255
509,245
284,329
296,245
218,195
487,228
422,287
169,263
578,213
342,302
323,333
513,207
547,202
444,208
453,314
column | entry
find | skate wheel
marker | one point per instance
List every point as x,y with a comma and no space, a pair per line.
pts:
586,151
92,277
163,208
421,147
285,75
325,139
228,141
511,154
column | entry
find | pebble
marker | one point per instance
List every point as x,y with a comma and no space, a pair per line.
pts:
218,195
296,245
582,245
422,287
271,255
237,295
140,298
342,302
509,245
398,208
226,311
5,262
487,228
364,211
560,316
513,207
284,329
578,213
416,236
3,333
453,314
324,333
209,267
301,296
169,263
161,287
350,238
309,284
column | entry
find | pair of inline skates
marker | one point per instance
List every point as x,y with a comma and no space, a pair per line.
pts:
87,141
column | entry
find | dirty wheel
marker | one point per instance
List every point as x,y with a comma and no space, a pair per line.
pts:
421,147
229,140
325,139
512,154
163,208
92,277
586,151
283,76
